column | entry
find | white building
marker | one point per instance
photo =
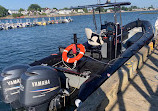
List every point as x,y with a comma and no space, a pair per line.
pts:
65,11
80,11
108,10
25,12
13,11
47,11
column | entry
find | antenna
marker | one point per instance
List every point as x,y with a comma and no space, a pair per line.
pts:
100,12
94,19
108,1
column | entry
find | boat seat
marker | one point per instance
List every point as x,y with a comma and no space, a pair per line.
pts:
93,38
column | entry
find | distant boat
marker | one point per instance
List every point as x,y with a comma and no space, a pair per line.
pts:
65,20
70,19
44,21
60,20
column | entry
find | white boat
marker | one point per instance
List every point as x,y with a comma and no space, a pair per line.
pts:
65,20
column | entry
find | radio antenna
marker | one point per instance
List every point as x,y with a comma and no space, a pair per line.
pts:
108,1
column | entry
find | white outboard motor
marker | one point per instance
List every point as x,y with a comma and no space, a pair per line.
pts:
39,85
10,84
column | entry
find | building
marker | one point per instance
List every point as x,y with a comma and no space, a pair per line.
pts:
65,12
25,12
109,10
90,10
80,11
13,11
47,11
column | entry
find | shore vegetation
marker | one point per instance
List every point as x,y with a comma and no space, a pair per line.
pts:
34,7
3,11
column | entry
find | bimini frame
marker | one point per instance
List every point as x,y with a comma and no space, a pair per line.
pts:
107,4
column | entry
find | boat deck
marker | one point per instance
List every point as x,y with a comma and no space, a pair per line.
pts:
141,94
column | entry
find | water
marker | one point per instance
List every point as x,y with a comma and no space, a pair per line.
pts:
23,46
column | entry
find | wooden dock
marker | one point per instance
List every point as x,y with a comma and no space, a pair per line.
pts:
141,93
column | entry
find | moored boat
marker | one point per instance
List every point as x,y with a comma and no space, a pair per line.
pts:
76,71
65,20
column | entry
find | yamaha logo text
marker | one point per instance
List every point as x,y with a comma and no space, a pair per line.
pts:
13,82
40,83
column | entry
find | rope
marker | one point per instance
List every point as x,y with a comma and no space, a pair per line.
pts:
57,63
68,66
99,61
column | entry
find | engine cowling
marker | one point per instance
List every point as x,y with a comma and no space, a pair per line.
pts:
10,84
38,86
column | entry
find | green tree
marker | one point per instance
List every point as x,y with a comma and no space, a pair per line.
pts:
34,13
44,14
55,8
17,15
150,7
21,9
3,11
85,10
34,7
99,8
65,8
124,8
105,10
134,7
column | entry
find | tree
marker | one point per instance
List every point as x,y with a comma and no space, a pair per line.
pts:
99,8
125,8
55,8
134,7
151,7
105,10
21,9
17,15
65,8
44,14
3,11
34,7
85,10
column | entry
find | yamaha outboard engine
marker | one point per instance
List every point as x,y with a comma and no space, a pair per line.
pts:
10,84
39,85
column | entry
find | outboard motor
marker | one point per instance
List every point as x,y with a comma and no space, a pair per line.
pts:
10,84
39,85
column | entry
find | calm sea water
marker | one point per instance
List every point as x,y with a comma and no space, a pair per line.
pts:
25,45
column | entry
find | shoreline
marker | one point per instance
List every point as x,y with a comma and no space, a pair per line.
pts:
78,14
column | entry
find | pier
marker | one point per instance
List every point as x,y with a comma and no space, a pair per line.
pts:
28,23
134,87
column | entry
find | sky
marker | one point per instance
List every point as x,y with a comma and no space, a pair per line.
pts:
16,4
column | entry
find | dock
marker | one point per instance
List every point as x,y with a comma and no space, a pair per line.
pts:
28,23
141,93
133,87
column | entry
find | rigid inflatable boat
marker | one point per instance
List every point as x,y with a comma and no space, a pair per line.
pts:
71,75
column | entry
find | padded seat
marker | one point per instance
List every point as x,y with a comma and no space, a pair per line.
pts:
93,38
